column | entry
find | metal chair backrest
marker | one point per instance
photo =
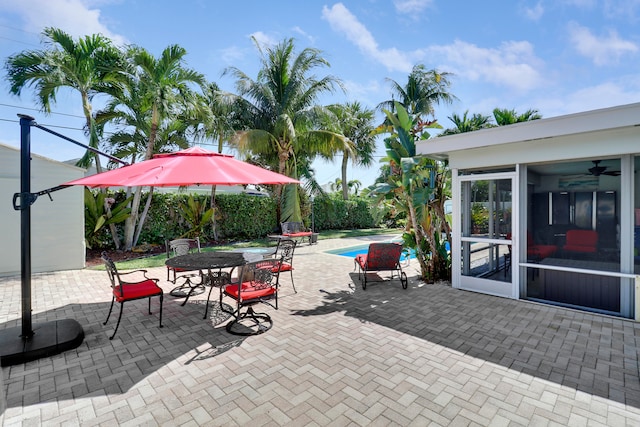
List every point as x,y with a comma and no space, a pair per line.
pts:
182,246
383,256
285,250
112,271
259,275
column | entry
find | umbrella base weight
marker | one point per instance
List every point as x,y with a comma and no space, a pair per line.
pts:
49,338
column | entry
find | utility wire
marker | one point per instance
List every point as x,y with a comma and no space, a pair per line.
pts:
37,109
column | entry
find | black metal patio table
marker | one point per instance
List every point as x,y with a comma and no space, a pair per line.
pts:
206,261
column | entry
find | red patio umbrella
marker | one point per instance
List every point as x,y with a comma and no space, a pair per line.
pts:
193,166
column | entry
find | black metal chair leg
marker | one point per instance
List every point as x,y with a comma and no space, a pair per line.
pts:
293,284
161,303
110,309
119,318
206,307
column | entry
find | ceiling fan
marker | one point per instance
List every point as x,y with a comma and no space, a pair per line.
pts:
598,170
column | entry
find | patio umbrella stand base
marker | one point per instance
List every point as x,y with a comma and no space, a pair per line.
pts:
48,339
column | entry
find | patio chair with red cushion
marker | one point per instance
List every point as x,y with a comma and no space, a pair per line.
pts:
124,291
284,253
257,284
296,230
536,252
381,257
179,247
190,286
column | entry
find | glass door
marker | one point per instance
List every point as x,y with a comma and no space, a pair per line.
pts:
488,213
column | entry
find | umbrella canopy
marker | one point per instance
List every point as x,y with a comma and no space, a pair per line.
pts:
193,166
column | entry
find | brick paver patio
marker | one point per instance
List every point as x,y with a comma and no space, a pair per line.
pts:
336,355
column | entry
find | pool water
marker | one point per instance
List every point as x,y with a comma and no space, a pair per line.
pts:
352,251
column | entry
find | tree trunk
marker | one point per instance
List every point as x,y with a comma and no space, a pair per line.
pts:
130,223
345,187
143,217
420,256
212,205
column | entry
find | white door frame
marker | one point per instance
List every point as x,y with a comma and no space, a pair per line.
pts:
483,285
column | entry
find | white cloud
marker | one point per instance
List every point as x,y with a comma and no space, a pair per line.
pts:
411,6
602,51
304,34
608,94
513,64
264,40
231,55
343,21
622,8
75,17
534,13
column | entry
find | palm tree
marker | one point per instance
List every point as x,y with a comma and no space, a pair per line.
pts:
83,66
355,184
280,108
355,123
215,117
424,89
152,99
505,117
336,185
165,80
415,185
467,124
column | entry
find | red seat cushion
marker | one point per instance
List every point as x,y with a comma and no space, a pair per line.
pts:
361,259
298,234
249,291
283,267
581,241
133,291
541,251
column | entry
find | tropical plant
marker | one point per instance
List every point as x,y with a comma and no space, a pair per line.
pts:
83,65
355,185
467,124
415,185
424,89
215,117
355,123
161,88
99,212
336,184
505,117
196,214
282,117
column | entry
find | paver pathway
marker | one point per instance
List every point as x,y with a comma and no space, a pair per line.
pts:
336,355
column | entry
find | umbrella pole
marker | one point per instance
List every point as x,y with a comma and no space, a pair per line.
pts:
25,225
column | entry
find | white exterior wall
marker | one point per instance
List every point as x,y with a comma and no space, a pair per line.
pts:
599,134
57,227
571,147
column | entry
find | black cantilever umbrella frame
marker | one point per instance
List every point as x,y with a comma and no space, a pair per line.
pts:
31,342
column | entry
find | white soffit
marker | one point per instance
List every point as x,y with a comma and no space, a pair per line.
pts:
572,124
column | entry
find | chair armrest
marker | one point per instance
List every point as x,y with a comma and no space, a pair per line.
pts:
144,274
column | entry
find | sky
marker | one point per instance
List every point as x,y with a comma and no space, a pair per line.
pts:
554,56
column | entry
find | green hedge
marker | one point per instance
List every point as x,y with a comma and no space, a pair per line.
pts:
238,216
333,213
245,217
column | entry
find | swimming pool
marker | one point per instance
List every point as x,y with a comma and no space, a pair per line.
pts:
352,251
